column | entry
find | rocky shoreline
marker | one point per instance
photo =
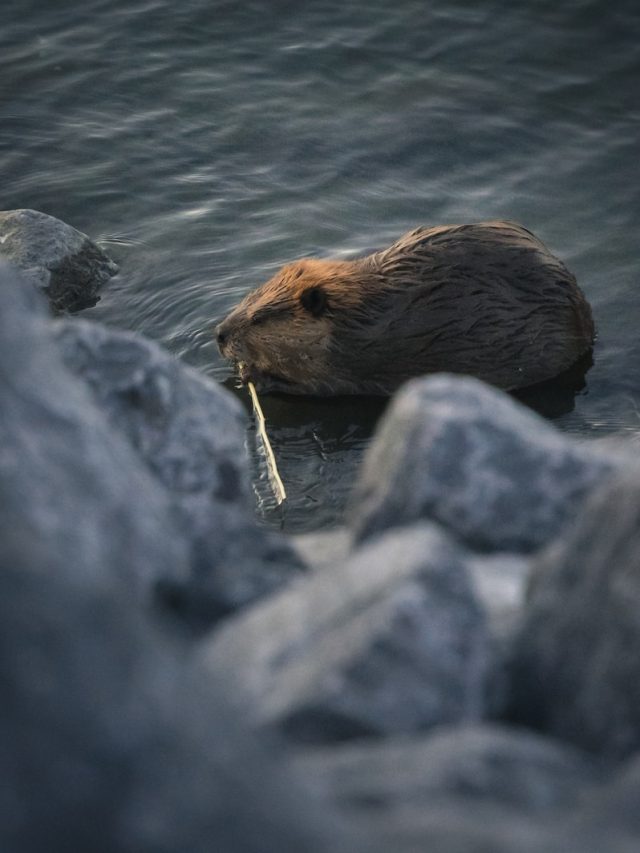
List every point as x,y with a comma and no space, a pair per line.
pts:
454,670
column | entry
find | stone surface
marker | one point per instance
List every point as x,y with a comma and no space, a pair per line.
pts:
494,764
109,740
391,641
500,583
613,804
61,261
65,473
107,743
323,547
482,828
493,473
575,668
189,432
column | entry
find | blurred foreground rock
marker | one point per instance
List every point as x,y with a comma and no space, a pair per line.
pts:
470,763
189,433
66,475
108,741
494,474
575,669
64,263
108,744
391,641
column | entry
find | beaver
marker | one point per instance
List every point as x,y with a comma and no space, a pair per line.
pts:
486,299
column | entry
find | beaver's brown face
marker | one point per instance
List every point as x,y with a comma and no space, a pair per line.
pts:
279,336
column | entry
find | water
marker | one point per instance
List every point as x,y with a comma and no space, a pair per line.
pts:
206,143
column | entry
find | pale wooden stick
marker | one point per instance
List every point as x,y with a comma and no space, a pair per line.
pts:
274,476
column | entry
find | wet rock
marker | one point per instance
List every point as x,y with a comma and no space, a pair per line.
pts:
575,670
189,432
493,473
391,641
76,485
64,263
493,764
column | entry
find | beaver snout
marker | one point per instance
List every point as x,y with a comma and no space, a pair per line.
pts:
223,332
221,335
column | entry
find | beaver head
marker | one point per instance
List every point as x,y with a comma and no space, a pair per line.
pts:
286,334
486,299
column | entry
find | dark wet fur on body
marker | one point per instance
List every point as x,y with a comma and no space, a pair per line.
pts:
486,299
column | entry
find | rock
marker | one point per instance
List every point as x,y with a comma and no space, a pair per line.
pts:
482,828
494,474
477,789
109,739
499,583
189,432
391,641
497,765
108,742
323,547
61,261
613,804
76,485
575,671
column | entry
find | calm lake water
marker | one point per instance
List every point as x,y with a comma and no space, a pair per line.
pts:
205,143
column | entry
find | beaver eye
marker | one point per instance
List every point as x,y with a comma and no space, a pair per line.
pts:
314,300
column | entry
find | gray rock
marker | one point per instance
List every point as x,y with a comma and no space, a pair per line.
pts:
68,476
613,804
575,670
479,827
477,789
109,740
108,743
475,763
493,473
391,641
61,261
500,583
461,805
189,432
323,547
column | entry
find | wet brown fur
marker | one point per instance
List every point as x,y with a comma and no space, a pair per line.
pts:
486,299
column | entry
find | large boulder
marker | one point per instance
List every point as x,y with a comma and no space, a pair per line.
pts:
494,474
393,640
77,486
108,743
64,263
189,433
575,668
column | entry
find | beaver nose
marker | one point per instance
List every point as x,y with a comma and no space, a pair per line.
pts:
221,334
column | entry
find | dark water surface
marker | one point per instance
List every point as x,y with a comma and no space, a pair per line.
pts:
206,143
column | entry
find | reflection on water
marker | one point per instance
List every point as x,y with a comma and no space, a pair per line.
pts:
207,143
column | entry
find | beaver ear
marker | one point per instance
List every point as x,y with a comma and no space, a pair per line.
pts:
314,300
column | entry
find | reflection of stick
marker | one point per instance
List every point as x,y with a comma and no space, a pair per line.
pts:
276,482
